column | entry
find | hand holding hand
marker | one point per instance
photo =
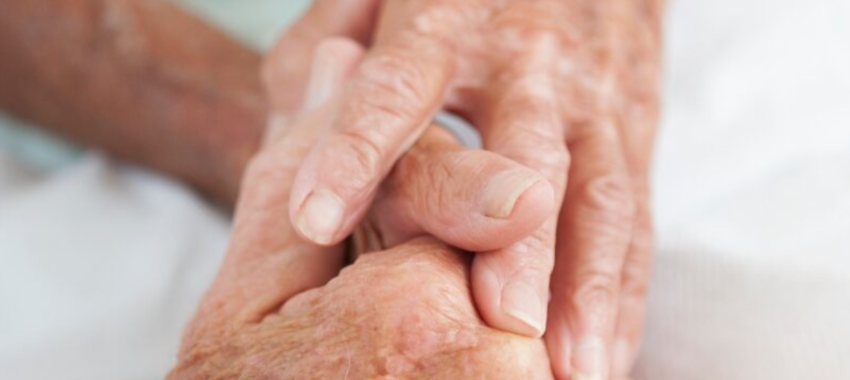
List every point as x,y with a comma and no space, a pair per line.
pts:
567,88
259,320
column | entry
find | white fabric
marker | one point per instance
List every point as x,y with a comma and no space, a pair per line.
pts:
752,280
101,264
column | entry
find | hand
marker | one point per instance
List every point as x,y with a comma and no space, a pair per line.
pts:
563,87
376,318
375,321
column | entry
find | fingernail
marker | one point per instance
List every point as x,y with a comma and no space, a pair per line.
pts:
522,303
321,83
622,364
589,361
504,189
320,216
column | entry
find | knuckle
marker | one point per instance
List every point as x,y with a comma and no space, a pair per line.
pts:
396,77
434,198
637,283
538,257
536,148
608,199
424,181
594,295
527,89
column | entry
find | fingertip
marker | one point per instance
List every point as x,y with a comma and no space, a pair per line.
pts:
510,305
316,211
559,348
513,203
524,310
529,204
320,217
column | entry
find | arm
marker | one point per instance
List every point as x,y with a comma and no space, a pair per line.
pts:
143,80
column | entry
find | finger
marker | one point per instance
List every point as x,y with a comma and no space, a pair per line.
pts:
327,79
594,233
471,199
633,292
511,284
386,108
293,52
638,140
267,263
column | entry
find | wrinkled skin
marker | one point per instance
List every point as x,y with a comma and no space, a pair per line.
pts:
567,88
405,313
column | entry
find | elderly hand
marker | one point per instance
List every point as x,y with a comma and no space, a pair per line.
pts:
377,318
568,88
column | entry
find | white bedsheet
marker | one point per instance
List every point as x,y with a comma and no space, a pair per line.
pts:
101,264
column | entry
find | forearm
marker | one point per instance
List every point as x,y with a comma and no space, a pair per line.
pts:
141,79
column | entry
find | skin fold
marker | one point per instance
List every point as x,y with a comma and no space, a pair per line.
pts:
375,321
279,309
567,88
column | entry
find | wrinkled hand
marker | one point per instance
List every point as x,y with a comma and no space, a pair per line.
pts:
568,88
401,314
377,318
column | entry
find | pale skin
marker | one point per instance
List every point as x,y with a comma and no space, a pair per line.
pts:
374,321
567,88
600,249
403,313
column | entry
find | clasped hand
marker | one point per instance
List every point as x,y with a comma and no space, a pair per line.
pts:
564,96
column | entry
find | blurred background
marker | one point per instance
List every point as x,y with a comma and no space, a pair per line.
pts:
102,263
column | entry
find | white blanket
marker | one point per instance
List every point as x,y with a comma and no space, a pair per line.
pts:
101,264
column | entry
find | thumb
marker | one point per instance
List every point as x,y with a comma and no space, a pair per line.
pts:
472,199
